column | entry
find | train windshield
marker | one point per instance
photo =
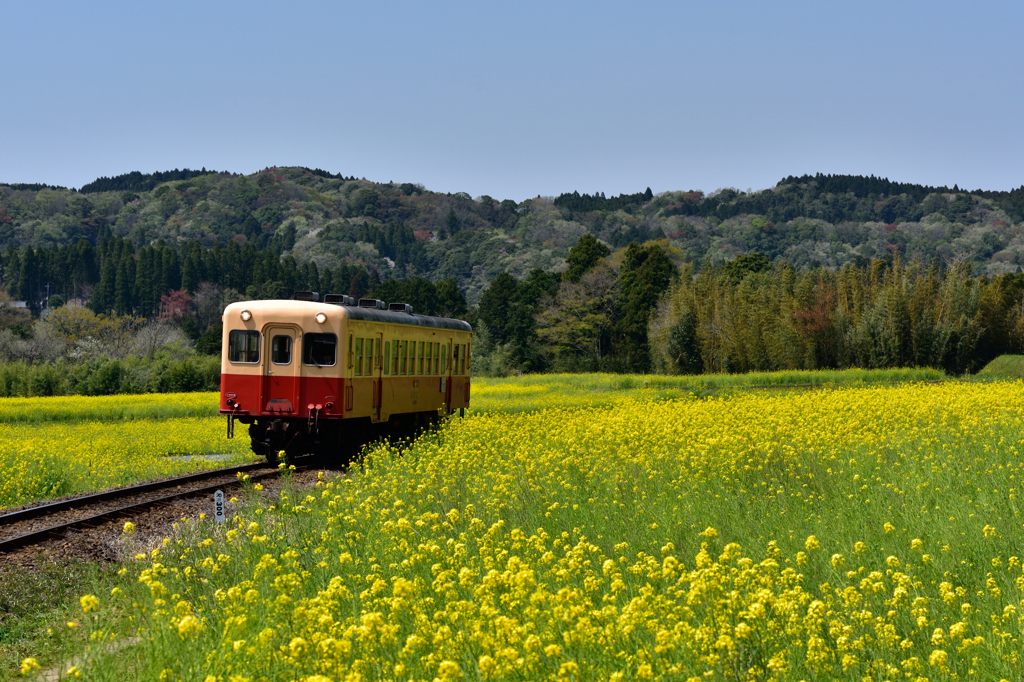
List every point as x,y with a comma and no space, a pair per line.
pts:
244,346
319,349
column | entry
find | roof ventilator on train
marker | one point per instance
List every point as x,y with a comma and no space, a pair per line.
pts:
400,308
339,299
306,296
374,303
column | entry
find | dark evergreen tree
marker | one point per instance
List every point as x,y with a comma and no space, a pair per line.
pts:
684,346
450,301
498,304
584,256
646,273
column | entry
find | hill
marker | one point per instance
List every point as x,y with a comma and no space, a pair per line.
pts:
404,230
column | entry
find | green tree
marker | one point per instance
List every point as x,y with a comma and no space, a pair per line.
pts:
738,268
584,256
498,304
450,301
684,345
507,308
577,325
646,273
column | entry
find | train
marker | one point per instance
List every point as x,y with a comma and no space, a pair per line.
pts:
326,377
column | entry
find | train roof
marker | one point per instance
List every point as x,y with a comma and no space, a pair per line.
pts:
286,307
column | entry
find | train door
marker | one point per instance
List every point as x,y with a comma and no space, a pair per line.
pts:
281,369
377,372
446,372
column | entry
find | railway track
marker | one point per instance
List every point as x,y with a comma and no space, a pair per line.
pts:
44,522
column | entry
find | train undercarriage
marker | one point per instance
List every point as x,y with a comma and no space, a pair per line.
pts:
337,441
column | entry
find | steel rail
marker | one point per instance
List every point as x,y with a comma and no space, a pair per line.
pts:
117,493
58,530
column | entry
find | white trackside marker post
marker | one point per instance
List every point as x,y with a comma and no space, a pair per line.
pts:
218,506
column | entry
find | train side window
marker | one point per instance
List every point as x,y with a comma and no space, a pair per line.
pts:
371,357
402,357
419,365
281,350
437,358
387,357
244,346
359,357
469,357
430,358
320,349
455,359
444,358
351,355
394,357
463,370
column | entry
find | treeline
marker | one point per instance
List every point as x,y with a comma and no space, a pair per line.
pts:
833,198
114,277
829,199
141,182
110,376
591,318
585,202
755,317
746,315
108,302
403,230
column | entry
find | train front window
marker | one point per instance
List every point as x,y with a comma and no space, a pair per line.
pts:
319,349
281,350
244,346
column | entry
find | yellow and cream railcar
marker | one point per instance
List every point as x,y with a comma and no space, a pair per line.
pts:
328,377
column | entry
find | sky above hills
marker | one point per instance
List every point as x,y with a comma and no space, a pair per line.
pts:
517,100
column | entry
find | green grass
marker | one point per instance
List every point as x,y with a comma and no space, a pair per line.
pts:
1003,367
36,603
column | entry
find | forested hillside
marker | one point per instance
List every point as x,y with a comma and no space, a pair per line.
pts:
403,230
170,244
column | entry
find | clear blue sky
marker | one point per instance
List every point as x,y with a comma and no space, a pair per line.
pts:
517,99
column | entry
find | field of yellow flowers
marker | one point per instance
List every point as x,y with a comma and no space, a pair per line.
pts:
847,534
54,446
115,440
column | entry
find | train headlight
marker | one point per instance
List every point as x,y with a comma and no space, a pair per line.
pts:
246,316
321,318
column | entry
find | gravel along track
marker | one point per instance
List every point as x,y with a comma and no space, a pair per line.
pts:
106,543
55,522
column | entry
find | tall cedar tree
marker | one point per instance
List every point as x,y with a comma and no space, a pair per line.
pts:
645,275
584,256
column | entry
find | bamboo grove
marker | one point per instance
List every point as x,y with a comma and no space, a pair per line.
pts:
885,314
